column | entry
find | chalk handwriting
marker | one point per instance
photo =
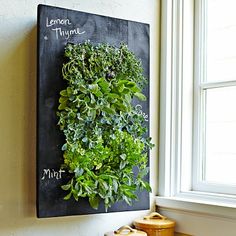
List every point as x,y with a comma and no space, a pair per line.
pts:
52,22
56,26
67,33
139,110
52,174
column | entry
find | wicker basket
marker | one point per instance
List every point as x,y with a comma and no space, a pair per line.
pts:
155,225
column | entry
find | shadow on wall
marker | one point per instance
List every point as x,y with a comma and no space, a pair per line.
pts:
17,124
29,163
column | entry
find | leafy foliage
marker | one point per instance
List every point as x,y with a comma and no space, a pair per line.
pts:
105,135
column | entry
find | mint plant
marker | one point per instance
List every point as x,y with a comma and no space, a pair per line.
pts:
105,137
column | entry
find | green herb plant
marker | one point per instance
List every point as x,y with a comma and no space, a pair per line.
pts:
106,141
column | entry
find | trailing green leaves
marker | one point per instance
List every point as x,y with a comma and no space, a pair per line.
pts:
105,136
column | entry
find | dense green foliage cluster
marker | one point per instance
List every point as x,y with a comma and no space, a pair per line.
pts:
105,135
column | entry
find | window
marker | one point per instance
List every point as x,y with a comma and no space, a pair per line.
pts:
198,100
215,99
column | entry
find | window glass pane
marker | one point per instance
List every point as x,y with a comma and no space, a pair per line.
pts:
221,40
220,160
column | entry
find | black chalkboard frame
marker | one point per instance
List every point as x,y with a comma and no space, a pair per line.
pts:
57,27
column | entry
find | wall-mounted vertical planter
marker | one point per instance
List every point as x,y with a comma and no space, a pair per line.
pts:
57,28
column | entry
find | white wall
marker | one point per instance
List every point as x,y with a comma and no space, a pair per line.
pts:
18,112
198,224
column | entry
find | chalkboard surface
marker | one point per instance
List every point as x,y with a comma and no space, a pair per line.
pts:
56,28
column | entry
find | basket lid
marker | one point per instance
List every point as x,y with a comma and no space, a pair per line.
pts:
154,221
126,231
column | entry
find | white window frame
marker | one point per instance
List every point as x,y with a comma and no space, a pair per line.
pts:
178,28
201,86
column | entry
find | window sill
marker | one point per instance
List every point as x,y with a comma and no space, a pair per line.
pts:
198,206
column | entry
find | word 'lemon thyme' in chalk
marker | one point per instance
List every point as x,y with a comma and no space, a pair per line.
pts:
105,136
